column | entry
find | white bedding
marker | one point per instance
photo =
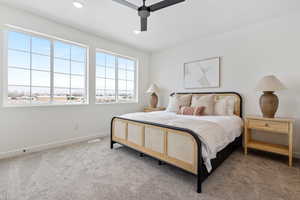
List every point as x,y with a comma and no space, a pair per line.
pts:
215,132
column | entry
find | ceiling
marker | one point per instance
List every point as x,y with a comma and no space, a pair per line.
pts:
167,27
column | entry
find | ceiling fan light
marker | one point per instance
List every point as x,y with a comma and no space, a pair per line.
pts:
78,4
136,32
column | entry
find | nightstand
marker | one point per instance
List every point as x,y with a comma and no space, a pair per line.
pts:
149,109
274,125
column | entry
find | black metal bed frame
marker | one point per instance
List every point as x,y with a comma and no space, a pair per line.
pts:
202,172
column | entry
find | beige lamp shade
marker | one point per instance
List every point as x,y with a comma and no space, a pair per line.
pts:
153,89
270,83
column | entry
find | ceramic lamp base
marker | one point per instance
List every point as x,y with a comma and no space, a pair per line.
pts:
268,104
153,100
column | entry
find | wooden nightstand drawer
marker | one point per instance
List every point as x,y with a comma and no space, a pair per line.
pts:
275,126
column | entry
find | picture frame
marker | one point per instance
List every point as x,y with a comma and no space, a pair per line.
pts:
203,73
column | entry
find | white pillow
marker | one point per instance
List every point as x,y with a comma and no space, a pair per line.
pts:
221,107
176,101
231,105
224,106
207,101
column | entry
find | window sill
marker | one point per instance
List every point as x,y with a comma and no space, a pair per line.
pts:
121,103
41,105
66,105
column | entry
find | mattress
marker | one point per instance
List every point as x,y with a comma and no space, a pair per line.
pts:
215,132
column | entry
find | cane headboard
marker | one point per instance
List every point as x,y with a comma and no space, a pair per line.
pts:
218,95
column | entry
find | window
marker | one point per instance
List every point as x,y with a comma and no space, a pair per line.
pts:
42,70
115,78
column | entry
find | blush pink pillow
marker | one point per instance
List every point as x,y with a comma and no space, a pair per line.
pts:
186,110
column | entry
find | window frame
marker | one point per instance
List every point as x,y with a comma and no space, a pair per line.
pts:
52,40
135,60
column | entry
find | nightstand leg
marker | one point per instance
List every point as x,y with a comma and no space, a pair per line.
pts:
291,145
245,143
245,139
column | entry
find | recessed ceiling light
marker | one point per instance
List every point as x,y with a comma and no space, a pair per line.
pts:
136,32
78,4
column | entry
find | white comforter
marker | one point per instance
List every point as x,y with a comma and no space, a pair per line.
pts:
215,132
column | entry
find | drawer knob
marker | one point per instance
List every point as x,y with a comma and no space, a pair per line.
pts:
266,125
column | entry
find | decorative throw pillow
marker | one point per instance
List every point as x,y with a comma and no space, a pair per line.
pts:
221,107
224,106
206,101
186,110
231,104
176,101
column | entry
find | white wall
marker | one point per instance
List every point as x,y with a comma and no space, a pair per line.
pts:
36,126
271,47
249,53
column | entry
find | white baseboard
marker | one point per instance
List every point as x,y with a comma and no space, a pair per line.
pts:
38,148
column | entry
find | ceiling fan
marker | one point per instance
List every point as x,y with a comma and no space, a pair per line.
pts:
144,11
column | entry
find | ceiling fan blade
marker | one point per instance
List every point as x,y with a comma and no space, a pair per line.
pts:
163,4
143,24
126,3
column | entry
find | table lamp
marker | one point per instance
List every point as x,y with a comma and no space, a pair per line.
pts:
153,89
269,101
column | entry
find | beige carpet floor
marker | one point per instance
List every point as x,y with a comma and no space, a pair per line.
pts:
91,171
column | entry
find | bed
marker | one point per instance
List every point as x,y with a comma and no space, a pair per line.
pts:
197,145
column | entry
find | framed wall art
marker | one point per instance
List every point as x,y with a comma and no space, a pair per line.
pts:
202,73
